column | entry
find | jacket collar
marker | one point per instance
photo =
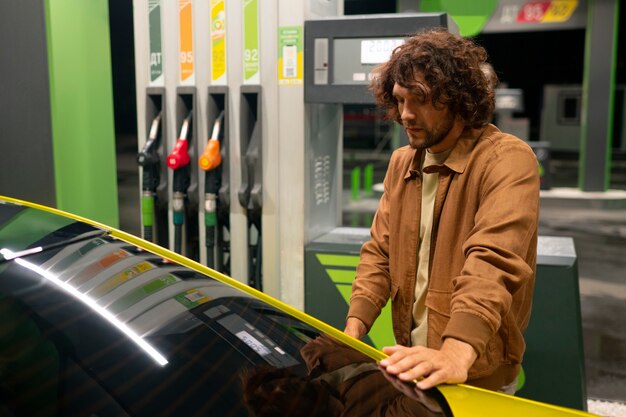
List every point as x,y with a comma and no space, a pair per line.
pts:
458,158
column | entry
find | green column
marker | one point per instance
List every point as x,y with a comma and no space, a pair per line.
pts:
81,102
598,95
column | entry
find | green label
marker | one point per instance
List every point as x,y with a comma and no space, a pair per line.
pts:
290,55
138,294
251,42
154,28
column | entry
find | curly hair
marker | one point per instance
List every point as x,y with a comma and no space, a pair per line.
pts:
277,392
452,66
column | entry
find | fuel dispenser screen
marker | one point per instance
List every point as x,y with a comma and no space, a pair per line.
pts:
356,58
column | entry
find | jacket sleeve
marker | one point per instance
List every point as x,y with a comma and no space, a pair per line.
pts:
500,250
372,285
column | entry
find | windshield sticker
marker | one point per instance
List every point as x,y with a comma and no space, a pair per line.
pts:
138,294
253,343
66,261
98,266
118,279
256,340
215,312
192,298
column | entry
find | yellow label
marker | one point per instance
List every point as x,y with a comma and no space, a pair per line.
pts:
119,279
560,10
186,39
218,39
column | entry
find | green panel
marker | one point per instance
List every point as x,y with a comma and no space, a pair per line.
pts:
381,332
471,16
337,260
82,108
341,276
554,363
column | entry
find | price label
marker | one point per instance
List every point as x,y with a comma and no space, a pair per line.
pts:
533,12
560,10
154,30
186,61
251,59
218,42
547,11
377,51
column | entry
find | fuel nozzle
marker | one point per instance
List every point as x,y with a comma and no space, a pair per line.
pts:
211,157
148,154
179,157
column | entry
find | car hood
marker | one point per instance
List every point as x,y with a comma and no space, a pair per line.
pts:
27,228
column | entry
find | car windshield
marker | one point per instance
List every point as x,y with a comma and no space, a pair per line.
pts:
98,327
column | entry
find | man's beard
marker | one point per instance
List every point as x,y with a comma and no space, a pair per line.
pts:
436,135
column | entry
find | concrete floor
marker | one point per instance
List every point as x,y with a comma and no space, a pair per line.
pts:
600,240
599,234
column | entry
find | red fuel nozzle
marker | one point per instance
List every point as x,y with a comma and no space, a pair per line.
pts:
211,157
179,156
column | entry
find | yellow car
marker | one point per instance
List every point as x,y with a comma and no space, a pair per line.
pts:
97,322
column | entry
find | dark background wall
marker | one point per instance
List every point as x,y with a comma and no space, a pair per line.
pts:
525,60
25,95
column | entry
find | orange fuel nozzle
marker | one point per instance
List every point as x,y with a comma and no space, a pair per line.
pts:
211,157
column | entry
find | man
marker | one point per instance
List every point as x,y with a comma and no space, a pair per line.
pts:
454,240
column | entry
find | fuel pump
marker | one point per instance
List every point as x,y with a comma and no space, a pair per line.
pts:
250,193
178,161
211,162
148,158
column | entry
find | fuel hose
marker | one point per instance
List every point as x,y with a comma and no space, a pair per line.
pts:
148,159
178,161
210,161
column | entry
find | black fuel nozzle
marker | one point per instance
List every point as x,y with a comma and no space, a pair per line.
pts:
148,154
148,158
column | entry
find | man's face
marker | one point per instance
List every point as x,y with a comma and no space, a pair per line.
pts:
427,126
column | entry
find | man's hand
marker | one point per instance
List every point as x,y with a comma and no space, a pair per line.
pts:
447,365
355,328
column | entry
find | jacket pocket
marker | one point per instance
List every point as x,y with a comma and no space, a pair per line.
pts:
439,302
438,305
397,312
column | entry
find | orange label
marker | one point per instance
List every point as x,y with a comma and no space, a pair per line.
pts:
186,39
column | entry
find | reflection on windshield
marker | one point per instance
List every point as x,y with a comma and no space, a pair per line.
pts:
339,381
104,313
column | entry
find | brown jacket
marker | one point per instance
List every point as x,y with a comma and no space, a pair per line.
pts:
483,251
361,386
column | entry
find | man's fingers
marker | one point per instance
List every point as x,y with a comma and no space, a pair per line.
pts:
433,380
417,371
407,363
390,350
